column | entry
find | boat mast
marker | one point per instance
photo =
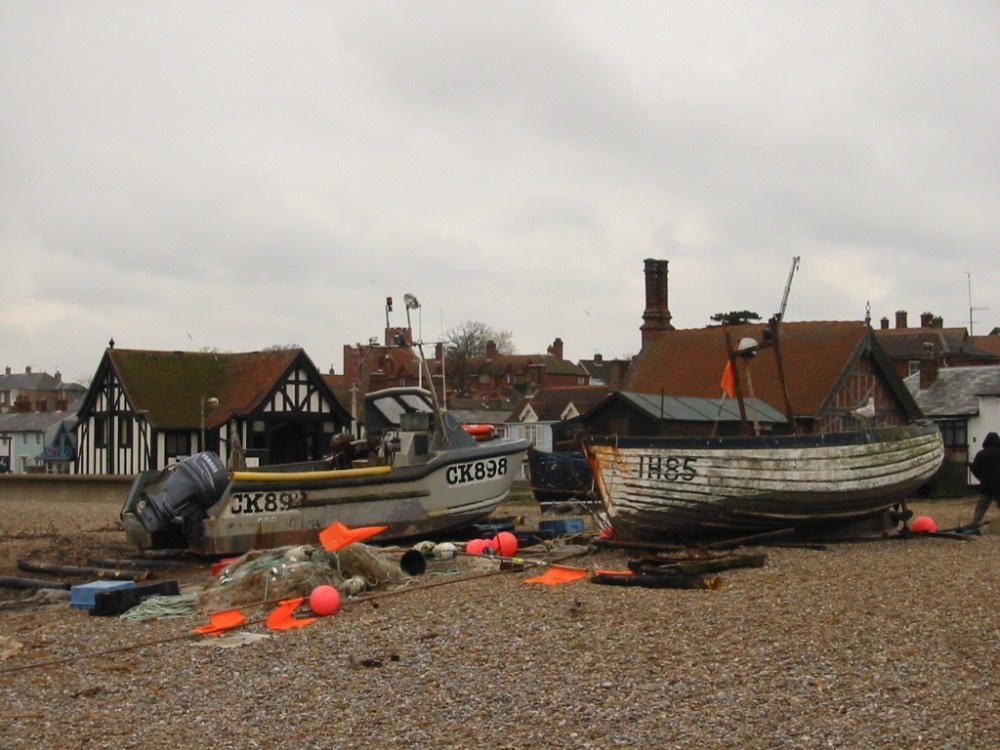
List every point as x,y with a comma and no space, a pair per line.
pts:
788,287
775,323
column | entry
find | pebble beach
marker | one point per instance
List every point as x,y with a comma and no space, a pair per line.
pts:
879,644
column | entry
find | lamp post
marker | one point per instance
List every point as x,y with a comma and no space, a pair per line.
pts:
210,402
412,303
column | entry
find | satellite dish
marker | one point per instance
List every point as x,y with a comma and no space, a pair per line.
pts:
410,301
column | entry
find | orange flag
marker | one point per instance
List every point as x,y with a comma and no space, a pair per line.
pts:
729,380
557,574
220,622
336,535
281,616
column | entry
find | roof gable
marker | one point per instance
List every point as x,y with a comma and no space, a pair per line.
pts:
551,404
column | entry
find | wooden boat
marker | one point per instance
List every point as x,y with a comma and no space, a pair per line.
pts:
558,478
417,472
662,487
817,484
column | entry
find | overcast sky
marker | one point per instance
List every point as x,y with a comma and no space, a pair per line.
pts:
239,175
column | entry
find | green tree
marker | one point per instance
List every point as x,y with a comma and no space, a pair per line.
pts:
736,317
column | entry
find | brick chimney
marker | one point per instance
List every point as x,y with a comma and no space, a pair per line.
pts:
900,318
884,323
598,359
926,320
491,350
656,316
556,350
928,366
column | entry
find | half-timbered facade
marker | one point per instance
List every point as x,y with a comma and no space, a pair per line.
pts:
148,409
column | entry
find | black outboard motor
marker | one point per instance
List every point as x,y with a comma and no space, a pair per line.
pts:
194,485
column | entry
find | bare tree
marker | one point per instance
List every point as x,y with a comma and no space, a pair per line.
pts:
469,340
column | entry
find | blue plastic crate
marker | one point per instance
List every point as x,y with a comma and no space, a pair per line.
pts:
563,527
84,595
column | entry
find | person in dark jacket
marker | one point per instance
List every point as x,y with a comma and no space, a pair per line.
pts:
986,468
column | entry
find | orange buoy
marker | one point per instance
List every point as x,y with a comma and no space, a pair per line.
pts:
505,543
477,547
324,600
924,524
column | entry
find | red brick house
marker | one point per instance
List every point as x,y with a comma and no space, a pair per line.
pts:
950,347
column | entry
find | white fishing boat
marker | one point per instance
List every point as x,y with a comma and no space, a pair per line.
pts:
417,472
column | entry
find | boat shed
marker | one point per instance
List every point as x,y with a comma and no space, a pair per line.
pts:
831,369
148,409
647,414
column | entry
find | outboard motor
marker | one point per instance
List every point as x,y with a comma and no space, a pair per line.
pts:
194,485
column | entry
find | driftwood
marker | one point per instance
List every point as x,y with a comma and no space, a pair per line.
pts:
141,563
656,580
13,582
73,570
696,567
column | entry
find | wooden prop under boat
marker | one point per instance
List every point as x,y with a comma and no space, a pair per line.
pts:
418,472
661,487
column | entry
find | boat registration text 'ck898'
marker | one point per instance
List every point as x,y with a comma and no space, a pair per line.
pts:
477,471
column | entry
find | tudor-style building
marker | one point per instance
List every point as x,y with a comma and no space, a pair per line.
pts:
148,409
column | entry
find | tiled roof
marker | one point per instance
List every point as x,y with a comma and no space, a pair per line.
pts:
33,421
909,344
816,355
504,364
989,343
30,381
954,392
169,386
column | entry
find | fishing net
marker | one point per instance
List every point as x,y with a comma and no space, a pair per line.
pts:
288,572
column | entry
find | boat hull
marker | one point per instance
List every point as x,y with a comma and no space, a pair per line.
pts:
656,488
291,505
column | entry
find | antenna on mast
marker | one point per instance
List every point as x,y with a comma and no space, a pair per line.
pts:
968,275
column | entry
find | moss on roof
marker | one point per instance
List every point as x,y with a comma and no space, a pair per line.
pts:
169,386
